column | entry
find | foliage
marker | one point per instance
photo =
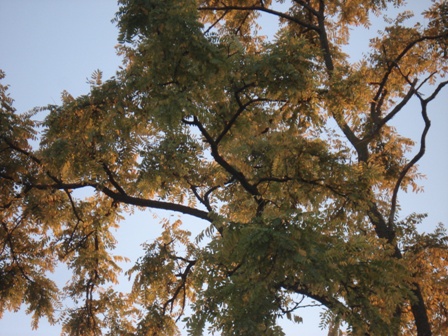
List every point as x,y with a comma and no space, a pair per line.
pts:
281,147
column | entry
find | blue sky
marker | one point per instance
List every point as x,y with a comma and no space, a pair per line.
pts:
49,46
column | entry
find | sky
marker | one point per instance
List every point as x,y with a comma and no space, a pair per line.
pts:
50,46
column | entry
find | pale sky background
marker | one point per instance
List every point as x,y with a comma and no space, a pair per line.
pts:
47,46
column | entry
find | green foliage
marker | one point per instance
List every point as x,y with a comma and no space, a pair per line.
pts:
282,148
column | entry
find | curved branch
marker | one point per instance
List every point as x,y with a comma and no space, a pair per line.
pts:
328,302
421,152
436,91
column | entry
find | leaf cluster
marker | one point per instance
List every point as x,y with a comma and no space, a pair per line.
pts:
281,147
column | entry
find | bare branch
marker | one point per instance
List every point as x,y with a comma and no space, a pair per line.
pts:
410,164
436,91
420,153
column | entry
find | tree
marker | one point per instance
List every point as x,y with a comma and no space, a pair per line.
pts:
282,149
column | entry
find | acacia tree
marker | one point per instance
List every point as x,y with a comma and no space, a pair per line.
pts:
281,149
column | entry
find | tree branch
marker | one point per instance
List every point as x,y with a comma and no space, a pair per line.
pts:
307,6
215,23
20,150
118,197
399,106
421,152
328,302
112,179
403,53
261,9
323,38
252,189
127,199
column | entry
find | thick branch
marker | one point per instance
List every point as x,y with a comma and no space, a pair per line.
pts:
155,204
323,38
131,200
382,229
359,145
420,314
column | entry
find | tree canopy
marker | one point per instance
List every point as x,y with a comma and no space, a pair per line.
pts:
281,149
